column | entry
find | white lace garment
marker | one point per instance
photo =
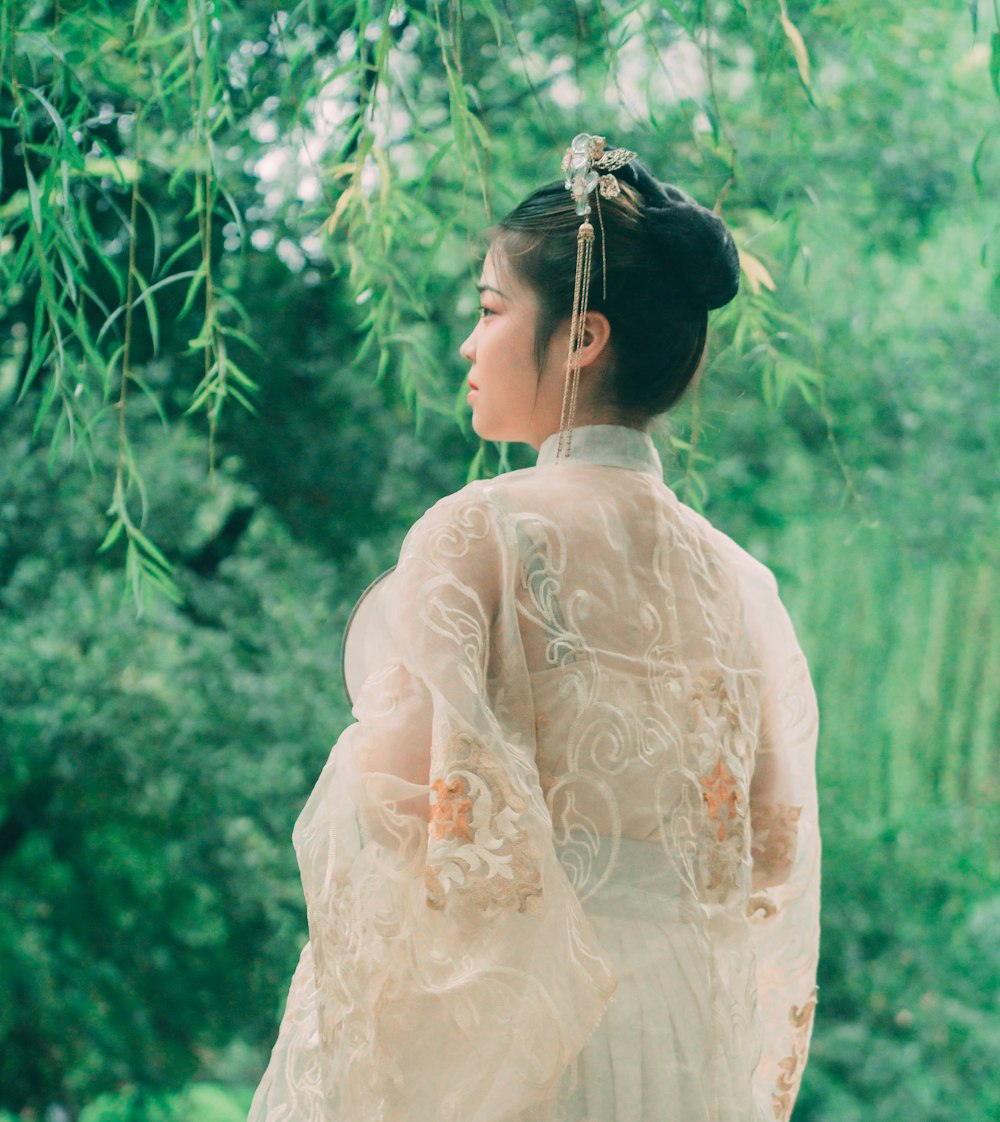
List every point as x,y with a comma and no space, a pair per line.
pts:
565,865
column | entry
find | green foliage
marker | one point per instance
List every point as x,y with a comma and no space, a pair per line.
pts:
167,171
919,727
136,823
909,1018
137,144
150,775
146,148
200,1102
151,770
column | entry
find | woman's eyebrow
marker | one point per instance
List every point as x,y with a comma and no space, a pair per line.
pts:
489,288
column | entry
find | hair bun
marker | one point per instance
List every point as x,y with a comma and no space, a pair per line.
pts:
696,242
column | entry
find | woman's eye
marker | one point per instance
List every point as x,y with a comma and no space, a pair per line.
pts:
484,311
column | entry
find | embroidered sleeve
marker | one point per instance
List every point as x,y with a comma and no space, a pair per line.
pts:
785,847
800,1019
775,829
438,910
479,846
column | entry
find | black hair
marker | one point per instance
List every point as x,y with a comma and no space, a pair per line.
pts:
669,261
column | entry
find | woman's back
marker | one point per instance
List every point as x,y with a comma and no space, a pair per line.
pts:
645,634
564,867
633,623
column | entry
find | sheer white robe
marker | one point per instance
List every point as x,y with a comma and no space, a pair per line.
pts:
564,866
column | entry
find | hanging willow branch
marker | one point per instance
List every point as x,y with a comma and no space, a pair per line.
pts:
144,562
119,182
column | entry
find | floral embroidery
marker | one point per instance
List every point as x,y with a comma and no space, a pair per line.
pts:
450,814
775,829
722,798
478,846
725,808
791,1067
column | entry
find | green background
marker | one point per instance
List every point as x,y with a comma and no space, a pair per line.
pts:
168,258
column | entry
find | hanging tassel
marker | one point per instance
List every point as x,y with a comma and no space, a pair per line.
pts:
581,289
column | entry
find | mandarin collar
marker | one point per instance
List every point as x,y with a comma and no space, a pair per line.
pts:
610,445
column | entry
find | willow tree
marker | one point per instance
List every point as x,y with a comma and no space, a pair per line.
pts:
145,144
154,156
138,139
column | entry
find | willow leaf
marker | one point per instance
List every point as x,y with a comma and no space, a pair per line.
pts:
995,61
113,535
145,295
798,44
198,279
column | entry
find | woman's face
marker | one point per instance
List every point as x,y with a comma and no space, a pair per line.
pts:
510,398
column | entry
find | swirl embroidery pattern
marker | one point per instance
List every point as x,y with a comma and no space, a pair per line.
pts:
586,728
792,1066
478,847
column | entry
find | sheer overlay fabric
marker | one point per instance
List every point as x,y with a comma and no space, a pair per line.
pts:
565,865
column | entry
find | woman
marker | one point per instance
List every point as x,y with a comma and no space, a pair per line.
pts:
565,864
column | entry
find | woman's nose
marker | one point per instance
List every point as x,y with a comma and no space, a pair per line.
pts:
467,350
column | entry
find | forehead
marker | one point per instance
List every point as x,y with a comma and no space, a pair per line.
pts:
489,274
498,275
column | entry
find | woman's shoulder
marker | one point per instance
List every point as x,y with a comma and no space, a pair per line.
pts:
494,498
471,519
479,496
765,613
484,516
749,571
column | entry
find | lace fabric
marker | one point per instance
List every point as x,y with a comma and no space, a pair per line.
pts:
564,866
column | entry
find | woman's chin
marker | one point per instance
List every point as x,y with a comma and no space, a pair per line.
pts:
482,427
500,429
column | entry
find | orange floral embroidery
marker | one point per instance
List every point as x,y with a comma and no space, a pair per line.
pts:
722,797
726,823
479,847
450,814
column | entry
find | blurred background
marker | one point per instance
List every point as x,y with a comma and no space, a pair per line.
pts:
238,250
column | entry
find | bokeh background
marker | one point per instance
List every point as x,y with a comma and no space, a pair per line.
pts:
238,250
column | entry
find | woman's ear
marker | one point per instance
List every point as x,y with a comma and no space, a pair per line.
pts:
596,337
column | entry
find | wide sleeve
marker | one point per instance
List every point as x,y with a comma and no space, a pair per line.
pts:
784,907
450,972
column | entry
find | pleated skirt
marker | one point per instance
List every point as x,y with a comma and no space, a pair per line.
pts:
679,1041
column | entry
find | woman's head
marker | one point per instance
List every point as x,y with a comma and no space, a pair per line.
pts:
660,262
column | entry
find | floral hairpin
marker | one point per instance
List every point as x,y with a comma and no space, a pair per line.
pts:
585,158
